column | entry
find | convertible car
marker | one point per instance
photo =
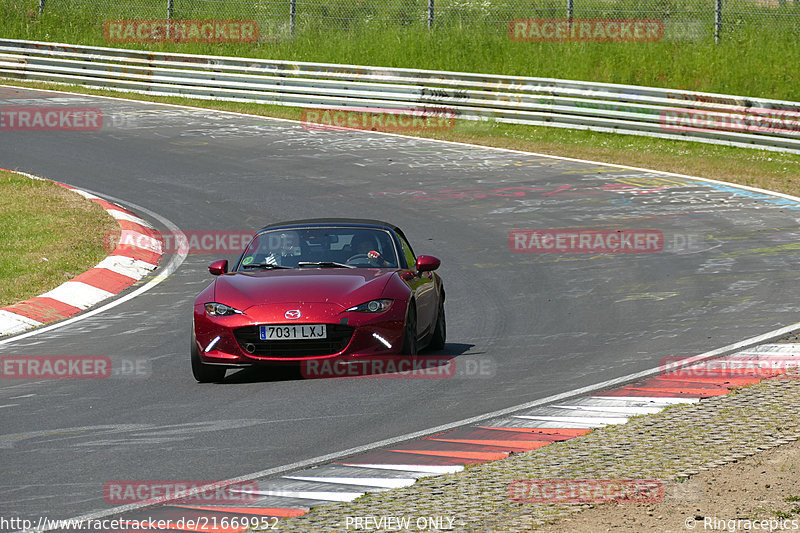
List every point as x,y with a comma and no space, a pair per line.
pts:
322,289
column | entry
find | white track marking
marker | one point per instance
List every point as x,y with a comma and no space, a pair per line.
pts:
306,494
654,399
633,411
11,323
77,294
121,215
379,482
583,421
126,266
432,470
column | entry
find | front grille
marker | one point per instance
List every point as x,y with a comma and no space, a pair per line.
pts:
338,336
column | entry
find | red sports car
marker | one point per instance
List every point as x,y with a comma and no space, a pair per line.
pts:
321,289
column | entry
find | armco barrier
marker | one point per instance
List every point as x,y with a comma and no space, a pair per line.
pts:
667,113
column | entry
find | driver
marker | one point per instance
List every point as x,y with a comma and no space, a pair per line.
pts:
363,244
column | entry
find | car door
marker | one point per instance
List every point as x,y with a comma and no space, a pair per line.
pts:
424,288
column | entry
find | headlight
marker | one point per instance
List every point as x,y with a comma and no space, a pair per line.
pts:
373,306
215,309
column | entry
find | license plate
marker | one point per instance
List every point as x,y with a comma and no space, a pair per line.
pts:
293,332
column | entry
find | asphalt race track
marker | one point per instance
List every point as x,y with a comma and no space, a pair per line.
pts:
542,323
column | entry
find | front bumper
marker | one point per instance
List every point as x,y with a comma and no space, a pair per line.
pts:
234,339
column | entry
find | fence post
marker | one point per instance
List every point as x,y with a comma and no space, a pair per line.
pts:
170,9
717,19
292,12
430,14
570,9
41,7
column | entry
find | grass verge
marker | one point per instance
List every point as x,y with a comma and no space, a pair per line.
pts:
756,59
49,236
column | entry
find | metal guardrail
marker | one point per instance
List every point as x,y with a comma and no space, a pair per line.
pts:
672,114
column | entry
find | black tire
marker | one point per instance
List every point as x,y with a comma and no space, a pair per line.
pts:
202,372
440,330
410,346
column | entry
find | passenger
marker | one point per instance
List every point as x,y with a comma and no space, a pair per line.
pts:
275,249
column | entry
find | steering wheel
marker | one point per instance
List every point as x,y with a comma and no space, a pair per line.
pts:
359,258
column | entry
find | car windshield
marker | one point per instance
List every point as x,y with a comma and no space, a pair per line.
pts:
328,247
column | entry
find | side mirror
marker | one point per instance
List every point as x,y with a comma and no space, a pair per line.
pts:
427,263
218,267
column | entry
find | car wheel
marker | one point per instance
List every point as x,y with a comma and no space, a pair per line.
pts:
202,372
440,330
410,332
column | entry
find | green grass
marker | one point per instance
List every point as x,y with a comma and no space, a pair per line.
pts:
758,60
49,236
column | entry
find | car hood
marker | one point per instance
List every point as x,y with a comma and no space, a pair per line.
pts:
342,286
